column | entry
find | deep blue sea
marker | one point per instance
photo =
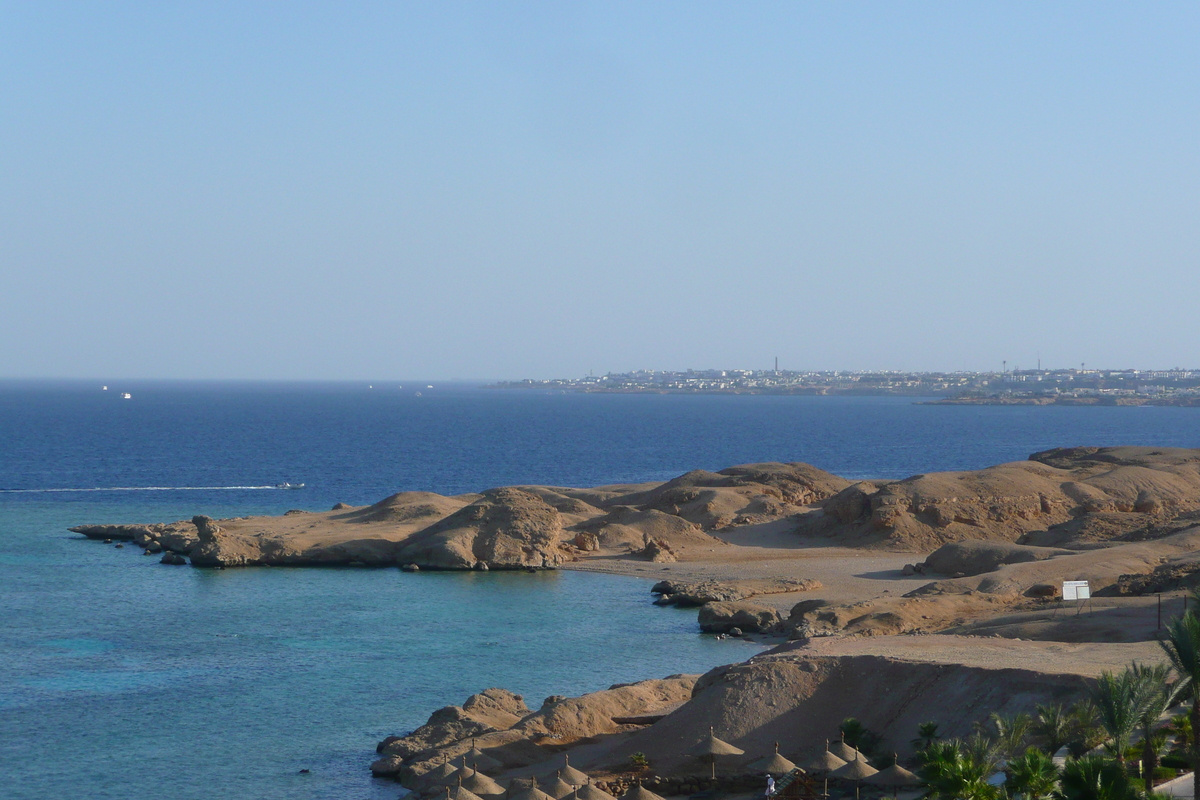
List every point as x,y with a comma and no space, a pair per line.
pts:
124,678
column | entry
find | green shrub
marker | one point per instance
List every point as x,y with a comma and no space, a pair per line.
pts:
1160,774
1175,762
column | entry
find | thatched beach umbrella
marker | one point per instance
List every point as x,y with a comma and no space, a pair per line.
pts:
855,770
482,785
711,747
459,774
441,772
571,775
894,776
775,764
589,791
824,762
459,793
844,751
532,793
477,759
558,788
639,792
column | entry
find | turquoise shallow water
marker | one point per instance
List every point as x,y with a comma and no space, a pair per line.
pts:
151,681
123,678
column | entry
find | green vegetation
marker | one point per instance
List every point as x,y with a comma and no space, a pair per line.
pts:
1098,733
1119,701
1034,774
1182,646
958,770
1055,726
927,734
859,736
1095,777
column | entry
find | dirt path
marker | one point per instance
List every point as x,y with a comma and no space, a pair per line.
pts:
846,575
1085,658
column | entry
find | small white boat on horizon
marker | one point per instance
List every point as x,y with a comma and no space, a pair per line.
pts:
289,485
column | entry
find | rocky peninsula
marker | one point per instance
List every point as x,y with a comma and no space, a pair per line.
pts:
936,596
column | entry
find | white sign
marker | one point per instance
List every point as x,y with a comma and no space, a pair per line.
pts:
1076,590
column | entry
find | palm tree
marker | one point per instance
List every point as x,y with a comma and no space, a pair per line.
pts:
1158,696
852,730
858,736
1034,774
1095,778
1182,646
1181,728
956,770
926,735
1119,700
1010,733
1055,726
1088,732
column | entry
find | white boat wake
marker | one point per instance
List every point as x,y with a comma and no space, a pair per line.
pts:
145,489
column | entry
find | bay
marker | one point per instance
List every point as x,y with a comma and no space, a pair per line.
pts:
126,678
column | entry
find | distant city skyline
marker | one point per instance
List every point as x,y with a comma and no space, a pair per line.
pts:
483,191
1026,387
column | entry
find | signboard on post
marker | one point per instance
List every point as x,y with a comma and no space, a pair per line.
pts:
1076,590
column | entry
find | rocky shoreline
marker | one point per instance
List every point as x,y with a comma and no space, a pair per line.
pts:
794,695
1068,497
785,550
884,597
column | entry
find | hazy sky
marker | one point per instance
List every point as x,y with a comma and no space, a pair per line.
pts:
391,190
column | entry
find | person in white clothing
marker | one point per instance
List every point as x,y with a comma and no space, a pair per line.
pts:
770,785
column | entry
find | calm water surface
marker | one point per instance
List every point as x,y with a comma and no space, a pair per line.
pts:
128,679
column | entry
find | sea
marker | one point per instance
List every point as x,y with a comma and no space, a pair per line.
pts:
124,678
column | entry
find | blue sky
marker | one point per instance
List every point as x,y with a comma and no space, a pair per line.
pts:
448,190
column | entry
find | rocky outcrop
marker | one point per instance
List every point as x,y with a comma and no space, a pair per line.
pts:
504,529
1137,491
629,528
215,548
748,617
490,710
658,551
586,542
798,699
1073,498
177,537
498,722
1176,574
739,495
119,533
698,593
976,557
574,718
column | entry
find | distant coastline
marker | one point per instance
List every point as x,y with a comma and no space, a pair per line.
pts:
1177,401
1037,387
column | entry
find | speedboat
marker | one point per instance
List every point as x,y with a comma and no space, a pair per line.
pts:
289,486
